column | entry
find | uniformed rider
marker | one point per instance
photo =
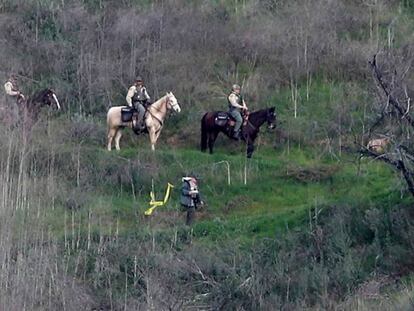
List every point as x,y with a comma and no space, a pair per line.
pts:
236,106
12,89
137,98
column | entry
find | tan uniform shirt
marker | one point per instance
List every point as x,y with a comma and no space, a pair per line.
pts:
10,89
133,90
234,100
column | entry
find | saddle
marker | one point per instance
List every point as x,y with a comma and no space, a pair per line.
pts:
129,114
225,119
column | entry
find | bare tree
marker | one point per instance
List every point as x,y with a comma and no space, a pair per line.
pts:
394,121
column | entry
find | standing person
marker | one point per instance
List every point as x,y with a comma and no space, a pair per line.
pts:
236,107
12,89
190,197
137,97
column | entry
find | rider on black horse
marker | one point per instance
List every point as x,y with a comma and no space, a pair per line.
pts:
12,89
138,98
237,105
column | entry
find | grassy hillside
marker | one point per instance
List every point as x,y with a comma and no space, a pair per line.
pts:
311,217
305,197
306,224
287,197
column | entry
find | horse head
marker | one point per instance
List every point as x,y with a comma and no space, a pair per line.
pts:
49,98
172,102
271,118
43,98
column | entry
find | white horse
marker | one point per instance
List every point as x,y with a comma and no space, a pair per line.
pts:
154,120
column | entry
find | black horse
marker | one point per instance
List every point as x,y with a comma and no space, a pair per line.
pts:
29,108
215,122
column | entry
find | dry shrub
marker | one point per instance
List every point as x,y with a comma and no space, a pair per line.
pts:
33,274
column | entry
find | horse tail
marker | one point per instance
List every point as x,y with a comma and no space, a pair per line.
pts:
203,133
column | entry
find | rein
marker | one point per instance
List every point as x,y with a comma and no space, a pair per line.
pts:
159,110
152,115
251,125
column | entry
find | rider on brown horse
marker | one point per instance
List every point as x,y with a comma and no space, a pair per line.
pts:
137,98
237,105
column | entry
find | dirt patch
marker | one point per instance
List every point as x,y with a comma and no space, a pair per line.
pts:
312,174
237,203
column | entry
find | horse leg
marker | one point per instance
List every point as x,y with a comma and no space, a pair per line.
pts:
250,149
157,135
118,138
153,138
211,140
204,135
111,134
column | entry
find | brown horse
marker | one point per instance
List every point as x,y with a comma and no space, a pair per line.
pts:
212,125
154,120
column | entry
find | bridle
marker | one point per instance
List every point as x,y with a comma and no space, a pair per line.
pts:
173,104
271,118
51,95
170,102
56,100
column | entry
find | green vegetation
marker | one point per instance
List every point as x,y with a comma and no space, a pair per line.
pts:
305,224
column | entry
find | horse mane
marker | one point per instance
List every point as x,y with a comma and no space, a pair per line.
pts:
159,100
259,112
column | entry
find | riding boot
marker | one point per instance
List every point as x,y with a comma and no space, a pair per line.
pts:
236,135
135,124
140,122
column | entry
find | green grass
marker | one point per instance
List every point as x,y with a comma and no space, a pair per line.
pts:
270,202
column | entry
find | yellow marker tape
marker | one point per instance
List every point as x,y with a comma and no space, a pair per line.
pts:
154,204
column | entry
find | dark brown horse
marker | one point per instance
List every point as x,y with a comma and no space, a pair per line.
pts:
213,123
29,108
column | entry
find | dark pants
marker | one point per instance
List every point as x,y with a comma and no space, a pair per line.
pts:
141,110
138,105
190,215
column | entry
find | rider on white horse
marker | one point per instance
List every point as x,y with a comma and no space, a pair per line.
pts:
136,98
154,120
